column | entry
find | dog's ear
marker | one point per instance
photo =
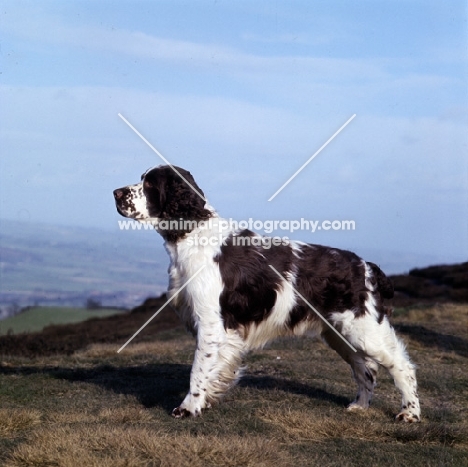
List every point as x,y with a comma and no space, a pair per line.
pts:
155,187
183,199
159,189
169,196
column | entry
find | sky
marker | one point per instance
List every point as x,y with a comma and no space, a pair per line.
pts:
242,94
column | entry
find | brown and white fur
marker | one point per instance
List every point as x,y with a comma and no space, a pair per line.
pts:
237,303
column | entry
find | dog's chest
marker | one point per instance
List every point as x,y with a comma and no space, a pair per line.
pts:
181,300
195,283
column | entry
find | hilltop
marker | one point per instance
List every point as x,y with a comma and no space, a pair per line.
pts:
434,284
67,394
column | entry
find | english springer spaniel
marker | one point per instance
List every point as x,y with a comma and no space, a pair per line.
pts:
240,292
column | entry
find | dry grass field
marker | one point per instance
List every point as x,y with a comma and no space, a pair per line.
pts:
94,407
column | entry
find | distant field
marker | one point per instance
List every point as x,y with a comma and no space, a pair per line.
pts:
37,318
53,265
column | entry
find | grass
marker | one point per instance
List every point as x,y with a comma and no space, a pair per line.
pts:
99,408
37,318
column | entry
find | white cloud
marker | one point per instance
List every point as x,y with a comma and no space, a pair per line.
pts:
49,29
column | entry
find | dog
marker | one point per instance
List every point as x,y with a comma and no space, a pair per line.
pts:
239,292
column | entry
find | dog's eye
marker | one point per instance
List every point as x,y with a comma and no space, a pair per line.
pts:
147,184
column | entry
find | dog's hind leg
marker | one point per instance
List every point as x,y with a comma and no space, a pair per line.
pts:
377,343
364,369
392,355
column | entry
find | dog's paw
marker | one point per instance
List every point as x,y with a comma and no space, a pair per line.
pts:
192,406
180,412
355,407
407,417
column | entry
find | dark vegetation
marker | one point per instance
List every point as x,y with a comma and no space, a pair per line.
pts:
440,284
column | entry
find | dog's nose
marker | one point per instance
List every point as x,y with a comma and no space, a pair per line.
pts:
118,194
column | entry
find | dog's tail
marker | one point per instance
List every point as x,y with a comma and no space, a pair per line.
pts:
384,284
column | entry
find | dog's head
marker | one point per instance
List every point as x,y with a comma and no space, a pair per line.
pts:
164,193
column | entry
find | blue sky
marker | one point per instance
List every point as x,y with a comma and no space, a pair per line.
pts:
242,94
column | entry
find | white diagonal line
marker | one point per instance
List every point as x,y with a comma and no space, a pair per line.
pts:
161,156
315,311
323,146
154,316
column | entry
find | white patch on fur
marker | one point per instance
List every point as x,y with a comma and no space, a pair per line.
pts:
257,335
139,200
367,276
137,197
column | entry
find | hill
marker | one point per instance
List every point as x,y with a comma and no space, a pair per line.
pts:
66,395
434,284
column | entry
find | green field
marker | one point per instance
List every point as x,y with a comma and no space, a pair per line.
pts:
37,318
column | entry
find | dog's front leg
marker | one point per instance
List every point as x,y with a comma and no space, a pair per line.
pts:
204,370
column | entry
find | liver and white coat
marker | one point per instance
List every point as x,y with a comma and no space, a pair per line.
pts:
242,294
